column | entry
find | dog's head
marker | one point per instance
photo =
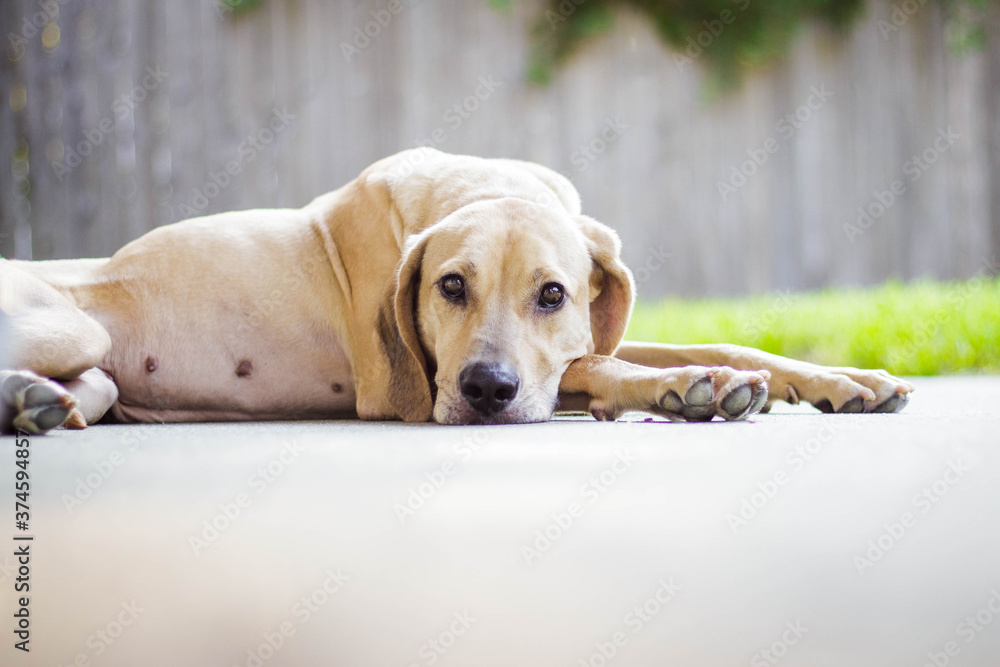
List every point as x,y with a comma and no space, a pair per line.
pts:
492,303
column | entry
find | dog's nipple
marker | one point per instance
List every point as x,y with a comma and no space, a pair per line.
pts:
150,364
244,369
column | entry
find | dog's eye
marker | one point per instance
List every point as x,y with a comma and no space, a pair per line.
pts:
551,296
452,286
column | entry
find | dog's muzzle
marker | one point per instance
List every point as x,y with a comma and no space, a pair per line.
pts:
489,387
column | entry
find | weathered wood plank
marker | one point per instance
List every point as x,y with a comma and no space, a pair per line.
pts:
14,226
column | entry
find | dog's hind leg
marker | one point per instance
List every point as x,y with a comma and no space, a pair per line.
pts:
31,403
96,393
48,333
50,339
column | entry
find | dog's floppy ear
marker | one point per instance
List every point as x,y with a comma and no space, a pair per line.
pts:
409,382
612,291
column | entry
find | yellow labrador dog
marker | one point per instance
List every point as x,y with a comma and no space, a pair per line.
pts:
433,286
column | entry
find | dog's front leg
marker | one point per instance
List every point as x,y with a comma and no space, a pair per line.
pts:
606,387
831,389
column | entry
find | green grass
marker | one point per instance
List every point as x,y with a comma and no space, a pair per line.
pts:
923,328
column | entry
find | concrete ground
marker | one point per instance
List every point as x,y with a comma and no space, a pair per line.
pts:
797,538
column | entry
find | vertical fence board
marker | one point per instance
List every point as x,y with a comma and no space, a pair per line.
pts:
13,203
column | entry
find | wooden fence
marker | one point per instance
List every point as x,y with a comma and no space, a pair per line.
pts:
852,161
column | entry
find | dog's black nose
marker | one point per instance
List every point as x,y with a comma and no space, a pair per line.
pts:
489,388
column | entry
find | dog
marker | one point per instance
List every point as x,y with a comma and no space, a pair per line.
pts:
433,286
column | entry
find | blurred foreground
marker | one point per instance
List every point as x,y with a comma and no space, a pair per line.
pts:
862,540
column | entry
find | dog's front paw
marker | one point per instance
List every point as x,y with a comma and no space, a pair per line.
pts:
707,392
31,403
850,390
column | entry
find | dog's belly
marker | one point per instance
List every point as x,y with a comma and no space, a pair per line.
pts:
194,374
217,321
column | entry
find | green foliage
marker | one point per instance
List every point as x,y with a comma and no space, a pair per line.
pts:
924,328
727,36
966,25
238,6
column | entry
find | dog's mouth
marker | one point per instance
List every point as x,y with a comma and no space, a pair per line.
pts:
465,417
457,410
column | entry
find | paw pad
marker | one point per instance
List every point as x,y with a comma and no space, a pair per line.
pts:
700,393
853,406
671,402
737,400
894,403
34,405
721,391
745,400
